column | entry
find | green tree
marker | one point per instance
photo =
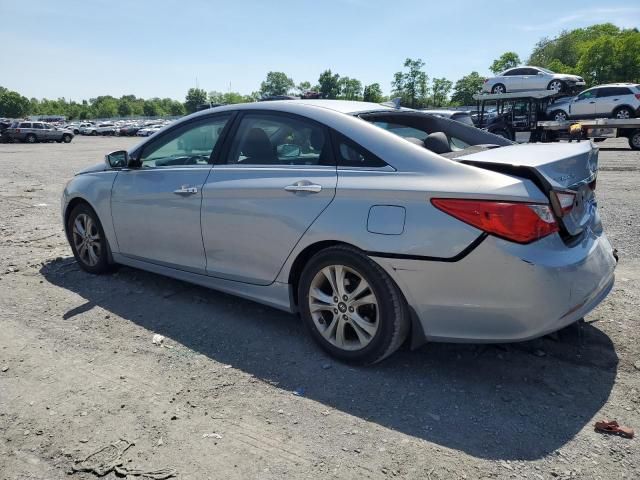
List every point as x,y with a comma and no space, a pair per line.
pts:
350,88
373,93
276,83
176,109
151,108
13,105
465,88
506,60
411,85
124,108
441,87
303,87
329,84
194,98
229,98
104,106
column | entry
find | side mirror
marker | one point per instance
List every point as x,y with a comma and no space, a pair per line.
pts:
288,150
117,159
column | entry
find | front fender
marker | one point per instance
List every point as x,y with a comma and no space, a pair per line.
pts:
94,189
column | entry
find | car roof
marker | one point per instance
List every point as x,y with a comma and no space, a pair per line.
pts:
342,106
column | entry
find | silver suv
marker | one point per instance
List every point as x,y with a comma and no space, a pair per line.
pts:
614,100
32,132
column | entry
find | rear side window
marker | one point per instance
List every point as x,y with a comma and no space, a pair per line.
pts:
25,125
351,155
38,126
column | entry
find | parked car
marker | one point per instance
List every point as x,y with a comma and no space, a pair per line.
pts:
317,207
531,78
106,128
614,100
32,132
457,115
129,130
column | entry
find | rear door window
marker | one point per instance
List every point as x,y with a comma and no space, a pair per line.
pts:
38,126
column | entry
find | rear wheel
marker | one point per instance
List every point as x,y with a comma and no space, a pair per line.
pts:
559,116
634,140
352,307
556,85
499,88
66,138
30,138
623,113
88,242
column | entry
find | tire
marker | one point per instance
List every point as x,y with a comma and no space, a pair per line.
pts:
559,116
95,257
76,131
499,88
634,140
364,341
66,138
623,113
557,85
30,138
94,133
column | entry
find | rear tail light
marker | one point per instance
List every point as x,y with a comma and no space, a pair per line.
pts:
637,95
516,222
563,202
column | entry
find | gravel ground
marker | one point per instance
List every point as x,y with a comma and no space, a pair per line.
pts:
239,391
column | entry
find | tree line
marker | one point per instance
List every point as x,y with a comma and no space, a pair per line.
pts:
601,53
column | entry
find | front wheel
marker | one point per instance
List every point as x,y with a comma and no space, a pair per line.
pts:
66,138
87,239
352,307
556,85
559,116
31,138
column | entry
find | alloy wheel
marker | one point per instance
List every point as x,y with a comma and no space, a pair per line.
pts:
86,239
556,86
623,114
635,140
498,89
560,117
343,307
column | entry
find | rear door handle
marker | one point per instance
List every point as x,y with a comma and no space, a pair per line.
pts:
185,190
304,186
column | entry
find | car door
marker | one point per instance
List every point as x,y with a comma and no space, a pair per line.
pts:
528,79
156,206
512,79
49,132
584,105
38,130
276,176
610,98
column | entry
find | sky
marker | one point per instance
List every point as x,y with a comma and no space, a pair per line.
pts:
79,49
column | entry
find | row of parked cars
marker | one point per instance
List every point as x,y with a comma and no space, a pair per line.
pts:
142,128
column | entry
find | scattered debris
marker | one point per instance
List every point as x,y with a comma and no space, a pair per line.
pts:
212,435
299,391
614,428
158,339
109,459
5,368
637,365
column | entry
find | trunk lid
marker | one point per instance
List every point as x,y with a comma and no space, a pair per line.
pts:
553,167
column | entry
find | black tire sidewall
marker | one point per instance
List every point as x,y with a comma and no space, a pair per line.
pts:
634,147
493,89
381,288
618,110
103,264
562,85
553,115
31,138
66,138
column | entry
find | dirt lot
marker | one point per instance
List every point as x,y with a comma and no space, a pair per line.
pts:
239,391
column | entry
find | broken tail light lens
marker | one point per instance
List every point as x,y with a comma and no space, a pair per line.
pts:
513,221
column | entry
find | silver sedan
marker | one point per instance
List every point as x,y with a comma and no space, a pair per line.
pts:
531,78
378,225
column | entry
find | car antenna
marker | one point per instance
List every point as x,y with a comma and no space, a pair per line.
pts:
394,102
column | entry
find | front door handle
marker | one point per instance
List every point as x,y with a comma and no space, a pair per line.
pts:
185,190
303,186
